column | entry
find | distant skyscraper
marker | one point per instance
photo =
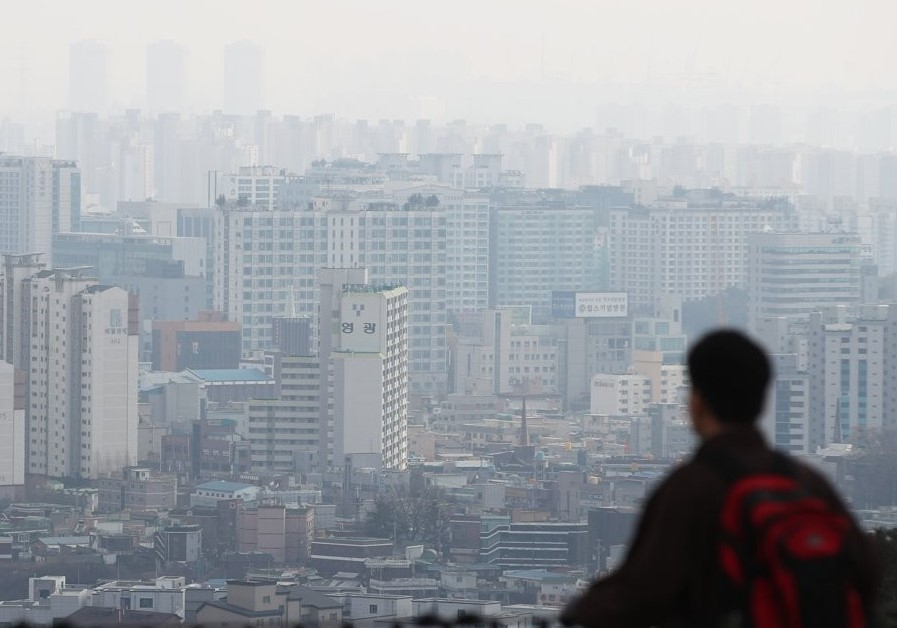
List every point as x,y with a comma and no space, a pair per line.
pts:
88,69
166,76
244,78
38,198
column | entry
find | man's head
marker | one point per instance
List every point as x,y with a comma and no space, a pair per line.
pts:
729,375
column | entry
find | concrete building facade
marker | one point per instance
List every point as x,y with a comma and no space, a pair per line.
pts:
793,274
38,198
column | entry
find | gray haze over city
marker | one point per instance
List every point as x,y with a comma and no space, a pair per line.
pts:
356,311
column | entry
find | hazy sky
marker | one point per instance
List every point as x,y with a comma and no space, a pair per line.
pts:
402,58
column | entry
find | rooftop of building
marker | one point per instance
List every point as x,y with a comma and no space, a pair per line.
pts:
65,540
230,375
224,486
238,610
101,616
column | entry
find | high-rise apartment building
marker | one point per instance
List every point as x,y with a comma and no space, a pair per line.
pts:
370,374
39,197
689,248
254,186
534,250
265,264
349,400
244,80
793,274
88,70
79,348
166,76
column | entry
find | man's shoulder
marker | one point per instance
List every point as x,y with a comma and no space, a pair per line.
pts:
691,476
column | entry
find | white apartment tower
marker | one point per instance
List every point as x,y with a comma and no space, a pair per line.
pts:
79,350
38,198
370,374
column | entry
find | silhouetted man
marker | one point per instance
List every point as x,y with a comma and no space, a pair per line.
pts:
673,574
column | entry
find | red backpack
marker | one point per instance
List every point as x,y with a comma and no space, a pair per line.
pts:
784,551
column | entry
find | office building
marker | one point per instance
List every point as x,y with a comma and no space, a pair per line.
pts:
620,395
138,489
88,72
81,336
852,373
793,274
39,197
244,78
209,342
166,77
289,430
506,357
786,418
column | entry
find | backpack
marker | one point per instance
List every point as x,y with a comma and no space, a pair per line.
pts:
783,551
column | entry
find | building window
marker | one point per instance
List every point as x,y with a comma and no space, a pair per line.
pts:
266,599
372,608
146,602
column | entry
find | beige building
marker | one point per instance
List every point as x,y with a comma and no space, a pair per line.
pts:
285,533
251,604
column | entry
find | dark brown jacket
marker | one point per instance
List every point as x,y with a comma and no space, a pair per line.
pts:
671,576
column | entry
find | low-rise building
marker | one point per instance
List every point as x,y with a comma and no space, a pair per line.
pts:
137,488
210,493
251,603
49,601
335,554
284,533
162,595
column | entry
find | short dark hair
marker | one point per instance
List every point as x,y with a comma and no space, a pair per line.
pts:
730,372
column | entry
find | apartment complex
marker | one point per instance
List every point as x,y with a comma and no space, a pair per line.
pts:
77,342
265,264
349,399
38,198
536,250
691,248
